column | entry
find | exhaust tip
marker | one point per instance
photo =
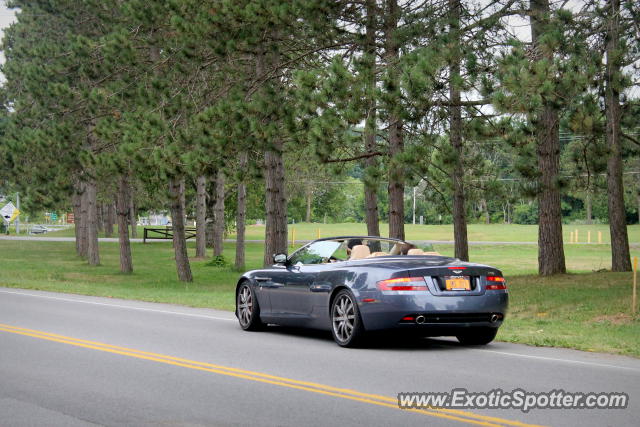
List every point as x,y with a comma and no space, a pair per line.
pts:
420,319
494,318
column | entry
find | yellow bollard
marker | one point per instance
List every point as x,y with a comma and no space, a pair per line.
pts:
589,236
634,307
293,237
318,233
599,237
577,236
571,237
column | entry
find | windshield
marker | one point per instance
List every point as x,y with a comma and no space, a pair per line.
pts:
326,251
316,253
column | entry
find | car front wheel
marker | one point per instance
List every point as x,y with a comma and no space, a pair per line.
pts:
479,336
247,309
346,324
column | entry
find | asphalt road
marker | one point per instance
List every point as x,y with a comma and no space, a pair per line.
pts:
73,360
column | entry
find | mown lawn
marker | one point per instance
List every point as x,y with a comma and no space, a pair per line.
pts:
587,310
477,232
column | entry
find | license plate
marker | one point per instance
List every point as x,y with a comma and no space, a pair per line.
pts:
457,283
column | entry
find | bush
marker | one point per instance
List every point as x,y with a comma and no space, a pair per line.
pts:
218,261
525,214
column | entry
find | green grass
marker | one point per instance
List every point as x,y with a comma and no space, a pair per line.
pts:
588,311
477,232
54,266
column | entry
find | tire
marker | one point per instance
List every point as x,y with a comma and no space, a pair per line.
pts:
346,323
478,336
247,309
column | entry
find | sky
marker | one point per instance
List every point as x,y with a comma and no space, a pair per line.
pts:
7,16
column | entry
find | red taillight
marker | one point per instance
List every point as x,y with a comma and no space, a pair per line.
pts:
403,284
498,283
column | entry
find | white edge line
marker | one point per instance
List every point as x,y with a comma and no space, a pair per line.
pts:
117,305
602,365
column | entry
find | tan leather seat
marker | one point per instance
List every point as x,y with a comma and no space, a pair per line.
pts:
375,254
431,253
415,251
396,249
360,252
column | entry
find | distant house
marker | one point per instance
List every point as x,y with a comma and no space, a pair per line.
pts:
155,219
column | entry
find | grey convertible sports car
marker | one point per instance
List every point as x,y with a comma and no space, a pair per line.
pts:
352,285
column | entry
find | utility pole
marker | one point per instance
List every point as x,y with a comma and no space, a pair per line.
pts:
17,221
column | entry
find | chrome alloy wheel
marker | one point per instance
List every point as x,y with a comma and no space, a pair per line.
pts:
245,305
343,317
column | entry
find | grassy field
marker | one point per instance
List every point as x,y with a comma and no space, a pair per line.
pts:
477,232
586,310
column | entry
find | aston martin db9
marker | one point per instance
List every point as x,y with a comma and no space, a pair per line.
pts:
353,285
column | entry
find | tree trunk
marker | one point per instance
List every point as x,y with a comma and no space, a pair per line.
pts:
240,215
276,204
219,224
455,135
122,210
201,216
133,214
396,139
309,197
588,208
176,196
78,196
550,245
371,188
485,210
93,251
100,219
84,215
109,220
210,211
620,256
275,197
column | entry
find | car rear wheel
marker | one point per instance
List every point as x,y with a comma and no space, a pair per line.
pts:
478,336
346,324
247,309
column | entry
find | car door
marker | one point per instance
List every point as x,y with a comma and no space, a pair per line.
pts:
291,298
266,282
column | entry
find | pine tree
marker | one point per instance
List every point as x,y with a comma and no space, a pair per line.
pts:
613,86
540,82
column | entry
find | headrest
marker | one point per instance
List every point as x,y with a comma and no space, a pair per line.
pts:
415,251
360,252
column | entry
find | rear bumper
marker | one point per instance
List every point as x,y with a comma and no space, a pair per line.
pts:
441,313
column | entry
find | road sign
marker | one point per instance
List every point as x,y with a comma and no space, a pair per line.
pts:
54,216
70,218
9,212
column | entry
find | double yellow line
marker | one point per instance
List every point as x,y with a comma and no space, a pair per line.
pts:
373,399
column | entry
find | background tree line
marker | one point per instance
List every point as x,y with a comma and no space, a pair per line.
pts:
324,110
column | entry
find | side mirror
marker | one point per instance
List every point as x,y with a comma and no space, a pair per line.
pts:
280,258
